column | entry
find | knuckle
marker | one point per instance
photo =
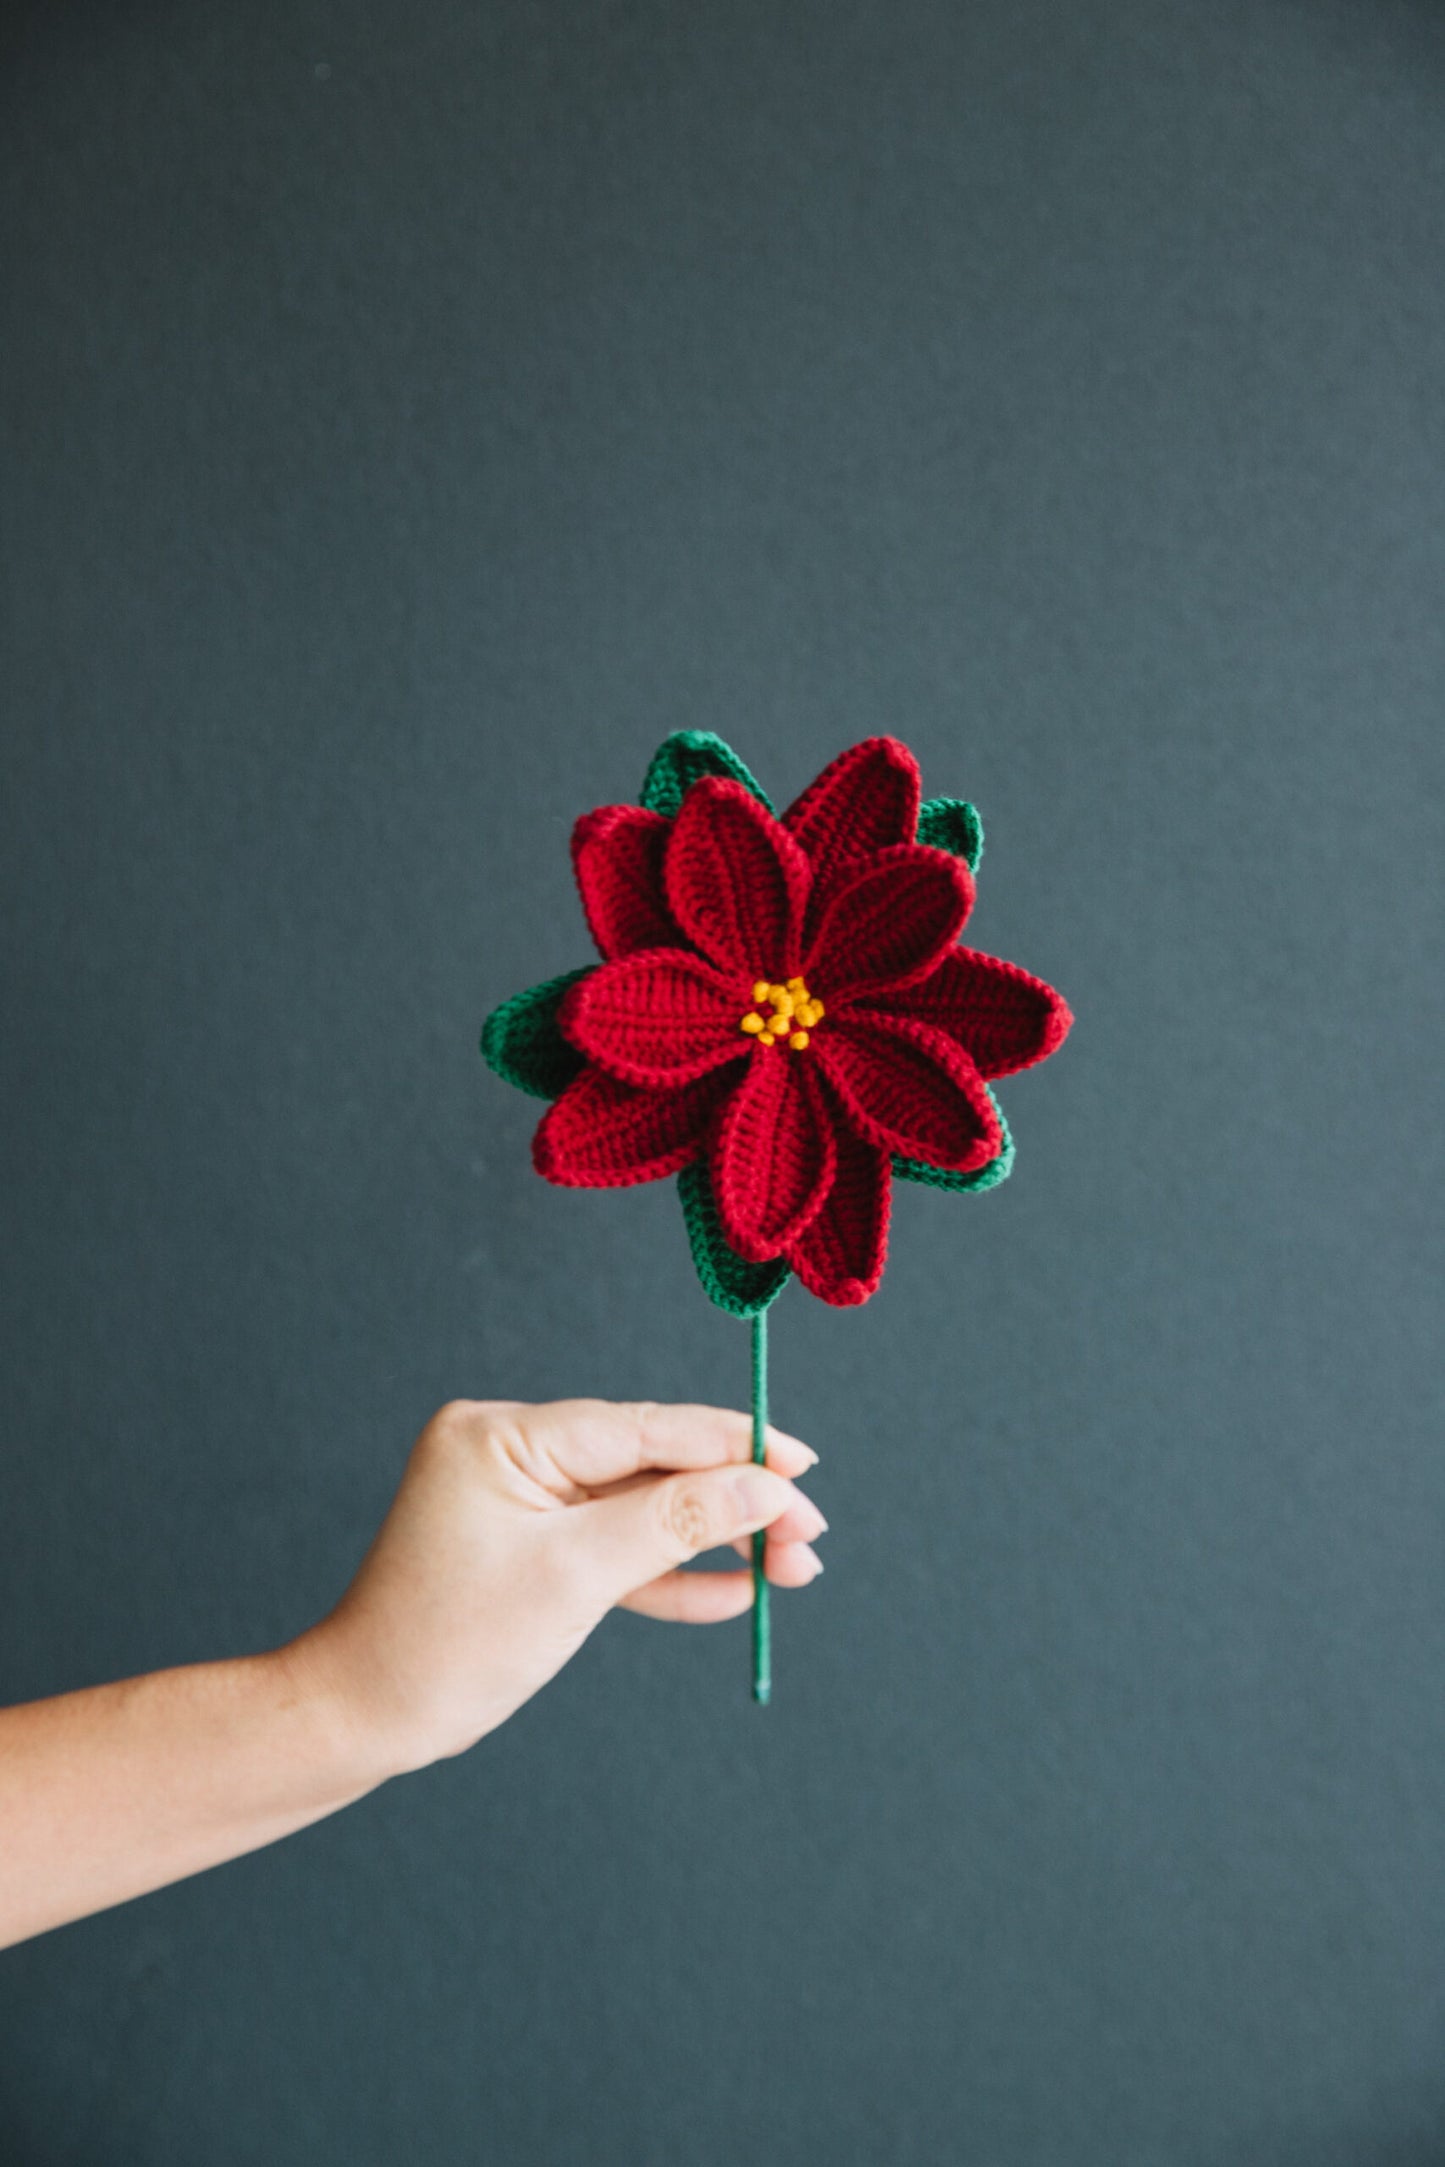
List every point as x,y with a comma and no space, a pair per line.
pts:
644,1416
685,1514
447,1432
457,1418
468,1418
460,1427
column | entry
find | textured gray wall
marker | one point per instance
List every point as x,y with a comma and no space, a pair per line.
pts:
412,414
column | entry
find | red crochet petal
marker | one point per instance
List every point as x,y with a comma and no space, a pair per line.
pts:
864,800
910,1089
890,923
660,1017
772,1155
736,881
840,1254
602,1134
1001,1015
617,857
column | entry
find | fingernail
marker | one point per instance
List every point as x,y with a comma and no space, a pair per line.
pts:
817,1566
785,1438
817,1525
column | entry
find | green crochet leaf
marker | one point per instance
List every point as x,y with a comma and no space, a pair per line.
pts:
523,1042
678,762
952,824
983,1177
742,1289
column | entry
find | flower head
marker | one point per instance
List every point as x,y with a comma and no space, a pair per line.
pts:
784,1014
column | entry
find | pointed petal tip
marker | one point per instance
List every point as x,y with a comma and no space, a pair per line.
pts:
910,1090
658,1017
1003,1016
735,880
840,1293
773,1157
544,1156
890,922
605,1134
617,864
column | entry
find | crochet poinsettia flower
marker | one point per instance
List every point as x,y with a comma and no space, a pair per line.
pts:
784,1015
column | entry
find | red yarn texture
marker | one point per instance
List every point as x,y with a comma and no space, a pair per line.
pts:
689,914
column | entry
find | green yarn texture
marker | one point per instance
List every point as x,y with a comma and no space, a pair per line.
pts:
762,1608
522,1040
982,1177
742,1289
679,762
952,824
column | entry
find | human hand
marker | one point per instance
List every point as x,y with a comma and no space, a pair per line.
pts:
516,1528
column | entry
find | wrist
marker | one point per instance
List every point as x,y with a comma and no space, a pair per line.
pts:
354,1751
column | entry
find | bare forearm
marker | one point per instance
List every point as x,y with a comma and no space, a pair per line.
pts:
110,1792
514,1532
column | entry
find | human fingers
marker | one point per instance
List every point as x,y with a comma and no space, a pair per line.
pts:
692,1598
789,1564
684,1598
802,1522
586,1443
623,1541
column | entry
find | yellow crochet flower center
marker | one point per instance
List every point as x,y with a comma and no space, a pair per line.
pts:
794,1014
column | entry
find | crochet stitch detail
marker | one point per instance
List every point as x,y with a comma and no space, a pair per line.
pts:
988,1176
891,922
606,1134
952,824
840,1255
1002,1017
909,1089
772,1158
521,1041
865,799
682,759
659,1017
742,1289
784,1017
617,856
736,882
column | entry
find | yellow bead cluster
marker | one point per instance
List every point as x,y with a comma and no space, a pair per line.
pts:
795,1012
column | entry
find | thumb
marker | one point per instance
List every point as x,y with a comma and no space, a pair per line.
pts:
632,1537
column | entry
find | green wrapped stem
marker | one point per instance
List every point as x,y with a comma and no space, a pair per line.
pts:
762,1619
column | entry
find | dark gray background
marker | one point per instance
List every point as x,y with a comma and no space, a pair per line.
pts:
415,412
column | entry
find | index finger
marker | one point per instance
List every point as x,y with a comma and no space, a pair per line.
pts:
595,1441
